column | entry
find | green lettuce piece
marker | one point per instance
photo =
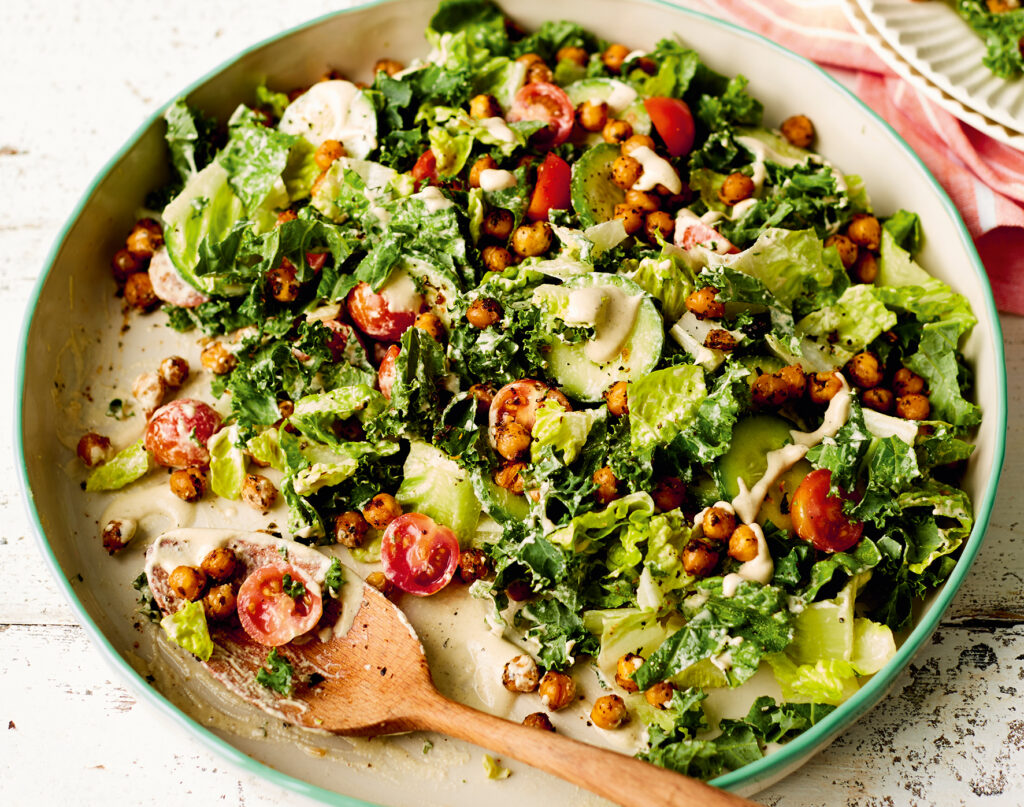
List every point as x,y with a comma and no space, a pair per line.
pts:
829,681
123,468
355,189
482,24
187,628
873,646
737,287
453,134
266,447
275,102
255,157
190,137
941,534
434,485
677,66
564,431
626,630
588,531
905,228
227,463
494,769
317,416
663,403
849,325
500,77
709,433
668,278
794,266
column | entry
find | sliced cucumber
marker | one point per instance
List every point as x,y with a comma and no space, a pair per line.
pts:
435,486
623,101
594,195
438,286
587,380
500,504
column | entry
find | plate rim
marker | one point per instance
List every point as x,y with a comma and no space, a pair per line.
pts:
940,80
780,761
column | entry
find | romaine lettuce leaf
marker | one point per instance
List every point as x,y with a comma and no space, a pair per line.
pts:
434,485
664,403
668,278
123,468
187,628
255,157
190,138
849,325
566,432
227,463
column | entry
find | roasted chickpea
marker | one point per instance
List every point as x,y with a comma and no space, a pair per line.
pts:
864,370
577,56
145,238
473,565
660,695
774,389
537,72
632,218
496,259
624,669
188,484
187,582
865,268
913,407
485,163
798,130
557,690
735,188
381,510
498,224
699,559
509,476
220,603
538,720
520,674
616,396
217,359
607,485
258,492
592,115
93,449
635,142
906,382
149,389
609,712
879,399
626,171
284,217
350,529
847,250
823,387
531,240
616,131
124,264
283,283
528,59
484,106
793,377
117,534
314,189
647,202
484,312
511,439
614,57
219,564
174,371
138,292
484,394
743,544
718,524
865,231
388,66
659,223
669,493
430,323
327,153
720,339
378,581
703,305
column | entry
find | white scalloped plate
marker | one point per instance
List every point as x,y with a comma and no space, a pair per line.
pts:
932,39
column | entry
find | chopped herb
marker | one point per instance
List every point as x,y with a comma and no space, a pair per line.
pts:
277,674
334,578
293,588
119,410
147,603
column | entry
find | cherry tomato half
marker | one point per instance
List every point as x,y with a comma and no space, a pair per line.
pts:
552,189
271,615
168,284
388,313
316,260
692,232
386,372
178,431
818,517
548,103
419,555
425,170
673,121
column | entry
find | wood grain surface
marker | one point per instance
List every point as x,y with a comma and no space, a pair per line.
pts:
79,78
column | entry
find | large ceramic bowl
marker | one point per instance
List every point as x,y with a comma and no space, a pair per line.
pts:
75,353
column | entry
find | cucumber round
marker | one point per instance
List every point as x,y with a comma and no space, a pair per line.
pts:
611,91
439,288
752,439
586,380
594,195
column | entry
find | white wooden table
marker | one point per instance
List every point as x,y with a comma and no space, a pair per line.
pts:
79,77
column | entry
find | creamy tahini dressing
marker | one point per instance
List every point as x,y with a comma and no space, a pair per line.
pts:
758,570
400,292
621,96
610,311
496,179
498,129
656,171
333,110
836,415
749,500
433,199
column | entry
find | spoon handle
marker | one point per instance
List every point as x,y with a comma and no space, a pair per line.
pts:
624,780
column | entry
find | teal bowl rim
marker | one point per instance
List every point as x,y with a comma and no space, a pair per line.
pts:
806,744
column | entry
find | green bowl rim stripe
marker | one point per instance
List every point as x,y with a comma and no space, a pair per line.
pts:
813,738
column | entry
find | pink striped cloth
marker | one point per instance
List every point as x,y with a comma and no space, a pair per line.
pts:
984,177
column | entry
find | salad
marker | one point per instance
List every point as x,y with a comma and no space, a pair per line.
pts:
565,330
1001,24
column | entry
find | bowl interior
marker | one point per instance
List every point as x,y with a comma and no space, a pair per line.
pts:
77,356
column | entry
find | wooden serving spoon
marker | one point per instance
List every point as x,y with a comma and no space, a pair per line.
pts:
375,680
